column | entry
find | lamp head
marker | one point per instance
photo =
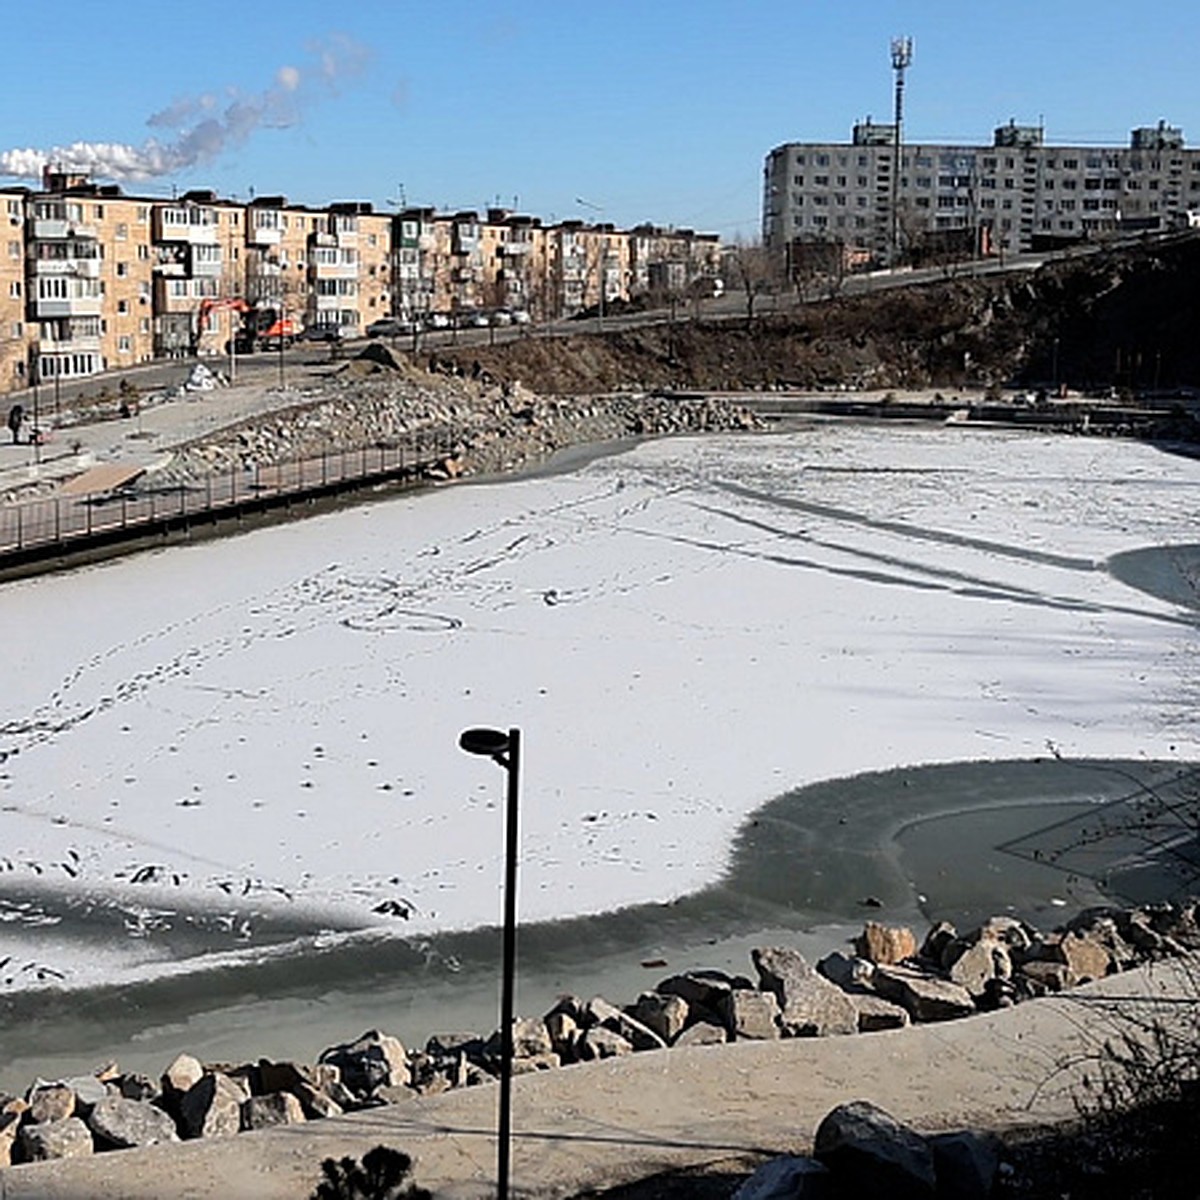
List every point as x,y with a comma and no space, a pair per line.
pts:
490,743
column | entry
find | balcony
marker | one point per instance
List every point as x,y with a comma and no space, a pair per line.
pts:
79,343
326,304
194,233
333,270
516,249
75,306
265,235
55,229
75,268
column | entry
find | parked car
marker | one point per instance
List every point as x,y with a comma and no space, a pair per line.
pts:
520,317
320,333
437,320
390,327
502,317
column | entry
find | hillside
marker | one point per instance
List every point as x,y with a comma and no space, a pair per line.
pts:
1123,318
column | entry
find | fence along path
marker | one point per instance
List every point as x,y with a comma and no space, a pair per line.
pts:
56,525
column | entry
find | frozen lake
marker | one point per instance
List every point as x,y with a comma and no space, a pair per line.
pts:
244,753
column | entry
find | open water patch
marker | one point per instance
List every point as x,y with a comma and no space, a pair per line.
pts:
956,841
1171,573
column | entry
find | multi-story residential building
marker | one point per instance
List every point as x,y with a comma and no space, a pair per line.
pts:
1017,194
92,279
375,265
665,262
189,269
16,335
414,269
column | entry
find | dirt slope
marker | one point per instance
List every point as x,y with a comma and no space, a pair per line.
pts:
1121,318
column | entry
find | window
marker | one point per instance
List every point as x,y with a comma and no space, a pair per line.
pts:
14,249
143,252
14,289
143,213
98,211
18,330
821,180
122,231
124,344
144,325
122,270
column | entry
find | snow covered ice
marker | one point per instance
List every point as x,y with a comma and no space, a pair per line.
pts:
239,741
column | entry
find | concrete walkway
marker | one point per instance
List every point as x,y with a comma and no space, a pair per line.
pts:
610,1122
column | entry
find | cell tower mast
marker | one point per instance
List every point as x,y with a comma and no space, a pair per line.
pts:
902,54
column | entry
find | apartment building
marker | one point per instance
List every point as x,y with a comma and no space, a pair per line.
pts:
15,333
1017,194
92,279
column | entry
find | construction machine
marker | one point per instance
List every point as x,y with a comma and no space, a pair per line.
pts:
262,327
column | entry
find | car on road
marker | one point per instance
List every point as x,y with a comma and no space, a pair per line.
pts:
437,320
390,327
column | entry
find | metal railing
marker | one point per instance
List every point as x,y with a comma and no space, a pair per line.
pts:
61,523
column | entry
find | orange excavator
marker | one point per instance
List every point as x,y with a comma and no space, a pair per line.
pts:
263,328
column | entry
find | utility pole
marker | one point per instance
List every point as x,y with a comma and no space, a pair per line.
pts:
902,53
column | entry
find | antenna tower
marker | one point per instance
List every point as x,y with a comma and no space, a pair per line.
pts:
902,55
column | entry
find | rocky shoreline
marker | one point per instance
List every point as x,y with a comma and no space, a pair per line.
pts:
490,428
888,982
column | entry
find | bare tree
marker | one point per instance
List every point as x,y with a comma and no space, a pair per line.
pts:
753,270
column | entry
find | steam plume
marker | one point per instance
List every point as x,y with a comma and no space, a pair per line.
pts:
200,128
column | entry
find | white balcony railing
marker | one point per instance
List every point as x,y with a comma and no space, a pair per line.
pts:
76,306
77,268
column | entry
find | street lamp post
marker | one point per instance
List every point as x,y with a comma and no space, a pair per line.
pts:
505,749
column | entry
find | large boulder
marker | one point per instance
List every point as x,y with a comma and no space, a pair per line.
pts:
374,1060
751,1015
50,1102
701,989
927,997
531,1038
1084,958
68,1138
276,1108
10,1123
872,1154
639,1036
120,1124
212,1107
182,1073
810,1006
966,1165
848,971
665,1015
599,1042
885,944
788,1177
978,966
876,1014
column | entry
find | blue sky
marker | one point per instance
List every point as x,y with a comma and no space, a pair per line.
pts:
658,110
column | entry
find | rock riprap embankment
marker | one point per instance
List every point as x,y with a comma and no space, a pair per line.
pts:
888,982
483,427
